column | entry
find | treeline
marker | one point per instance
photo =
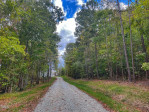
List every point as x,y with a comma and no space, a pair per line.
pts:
28,42
112,43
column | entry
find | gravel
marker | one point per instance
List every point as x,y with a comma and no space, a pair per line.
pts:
63,97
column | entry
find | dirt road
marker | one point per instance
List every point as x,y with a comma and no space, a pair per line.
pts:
63,97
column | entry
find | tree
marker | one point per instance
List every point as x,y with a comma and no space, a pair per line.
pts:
131,44
28,41
124,44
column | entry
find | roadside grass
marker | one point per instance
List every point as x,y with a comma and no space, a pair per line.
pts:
25,100
119,97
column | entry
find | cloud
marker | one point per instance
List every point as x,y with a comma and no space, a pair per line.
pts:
61,62
123,6
68,25
80,2
66,30
112,5
61,52
59,4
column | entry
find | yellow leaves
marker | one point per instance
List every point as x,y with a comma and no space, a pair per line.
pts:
10,46
2,19
81,37
145,66
142,9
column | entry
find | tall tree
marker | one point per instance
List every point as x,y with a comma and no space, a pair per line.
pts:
124,44
131,43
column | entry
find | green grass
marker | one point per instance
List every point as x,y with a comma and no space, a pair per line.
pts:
19,100
102,96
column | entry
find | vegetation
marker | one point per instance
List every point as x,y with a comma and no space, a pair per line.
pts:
25,100
112,42
28,42
120,97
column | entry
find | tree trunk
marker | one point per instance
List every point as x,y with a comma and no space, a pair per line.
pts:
50,69
48,74
89,64
38,76
20,85
10,90
97,73
25,81
43,77
116,75
144,48
32,80
143,45
146,75
131,44
124,44
111,72
107,56
123,74
86,65
146,55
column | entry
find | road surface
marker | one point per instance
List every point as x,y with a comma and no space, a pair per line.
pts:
63,97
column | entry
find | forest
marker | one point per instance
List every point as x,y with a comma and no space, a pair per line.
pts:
112,43
106,67
28,42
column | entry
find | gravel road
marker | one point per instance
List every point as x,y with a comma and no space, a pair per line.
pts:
63,97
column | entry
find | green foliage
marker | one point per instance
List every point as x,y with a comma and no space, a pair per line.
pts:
145,66
2,80
98,51
9,47
28,42
62,71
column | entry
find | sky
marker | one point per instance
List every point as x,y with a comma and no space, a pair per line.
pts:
66,28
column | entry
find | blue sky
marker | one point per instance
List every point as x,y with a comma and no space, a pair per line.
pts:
66,28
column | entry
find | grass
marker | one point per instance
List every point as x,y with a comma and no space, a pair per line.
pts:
119,97
19,101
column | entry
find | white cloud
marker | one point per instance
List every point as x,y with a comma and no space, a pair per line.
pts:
61,52
112,4
123,6
68,25
66,31
59,4
80,2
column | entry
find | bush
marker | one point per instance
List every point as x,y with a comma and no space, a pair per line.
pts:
145,66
